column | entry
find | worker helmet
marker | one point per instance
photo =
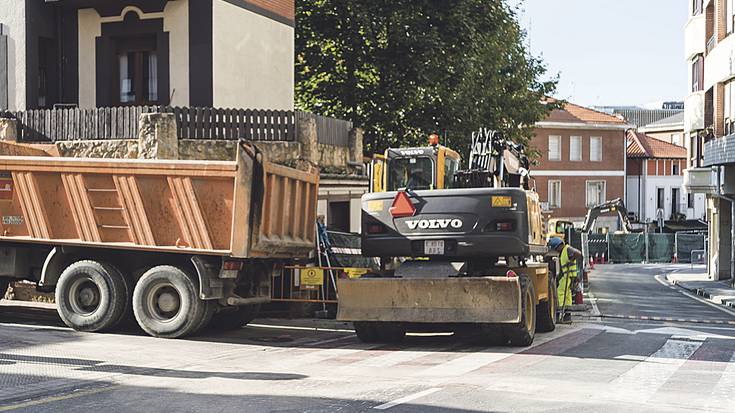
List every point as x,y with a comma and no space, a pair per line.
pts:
555,243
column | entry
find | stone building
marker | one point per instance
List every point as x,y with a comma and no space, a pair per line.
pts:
100,53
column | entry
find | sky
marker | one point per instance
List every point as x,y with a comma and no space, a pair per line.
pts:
610,52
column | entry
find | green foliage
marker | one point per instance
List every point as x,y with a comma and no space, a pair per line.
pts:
402,69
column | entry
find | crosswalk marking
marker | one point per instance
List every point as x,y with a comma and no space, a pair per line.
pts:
642,381
725,388
465,364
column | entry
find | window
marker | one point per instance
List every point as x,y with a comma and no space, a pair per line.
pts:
695,142
137,71
595,193
660,198
595,149
728,13
690,200
674,201
450,168
697,7
412,173
575,148
698,73
555,148
554,194
674,168
676,138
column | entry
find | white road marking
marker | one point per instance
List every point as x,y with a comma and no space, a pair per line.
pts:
630,357
464,364
277,327
725,388
694,297
391,359
407,399
593,300
643,381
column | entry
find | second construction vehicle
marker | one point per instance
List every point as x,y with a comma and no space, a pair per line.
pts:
458,249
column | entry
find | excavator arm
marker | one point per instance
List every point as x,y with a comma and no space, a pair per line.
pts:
616,205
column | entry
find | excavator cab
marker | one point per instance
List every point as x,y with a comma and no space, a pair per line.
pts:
423,168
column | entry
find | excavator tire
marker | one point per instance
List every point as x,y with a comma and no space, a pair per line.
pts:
521,334
546,310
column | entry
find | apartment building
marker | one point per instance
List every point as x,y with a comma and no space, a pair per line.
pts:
655,172
94,53
582,162
709,122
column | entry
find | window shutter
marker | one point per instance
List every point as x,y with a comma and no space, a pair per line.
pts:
575,148
596,149
555,148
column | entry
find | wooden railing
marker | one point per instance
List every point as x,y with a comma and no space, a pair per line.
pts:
234,124
70,124
52,125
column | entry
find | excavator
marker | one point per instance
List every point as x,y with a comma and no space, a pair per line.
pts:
616,206
459,249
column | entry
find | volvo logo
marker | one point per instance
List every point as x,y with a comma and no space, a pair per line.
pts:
434,223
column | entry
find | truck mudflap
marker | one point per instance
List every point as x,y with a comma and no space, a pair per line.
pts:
442,300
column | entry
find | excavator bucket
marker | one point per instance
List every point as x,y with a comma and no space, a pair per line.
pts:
430,300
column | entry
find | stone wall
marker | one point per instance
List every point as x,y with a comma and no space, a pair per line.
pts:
157,140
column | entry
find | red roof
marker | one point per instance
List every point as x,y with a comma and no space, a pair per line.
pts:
641,145
580,114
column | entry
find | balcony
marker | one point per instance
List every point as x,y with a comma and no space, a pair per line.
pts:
694,112
694,35
700,181
718,64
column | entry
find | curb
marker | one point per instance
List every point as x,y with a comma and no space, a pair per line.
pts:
701,292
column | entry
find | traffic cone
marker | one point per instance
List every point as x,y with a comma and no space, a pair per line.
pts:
597,257
675,259
592,263
603,258
578,297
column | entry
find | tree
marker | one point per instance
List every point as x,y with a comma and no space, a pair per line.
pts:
402,69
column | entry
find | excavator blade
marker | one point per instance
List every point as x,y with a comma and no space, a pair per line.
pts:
431,300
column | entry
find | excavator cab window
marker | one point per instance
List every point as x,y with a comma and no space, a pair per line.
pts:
450,168
415,173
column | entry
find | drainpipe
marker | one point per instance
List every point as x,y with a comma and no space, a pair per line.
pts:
732,224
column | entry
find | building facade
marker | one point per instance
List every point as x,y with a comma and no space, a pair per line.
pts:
669,129
92,53
709,122
655,173
582,163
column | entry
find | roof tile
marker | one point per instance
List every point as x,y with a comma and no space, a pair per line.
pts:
641,145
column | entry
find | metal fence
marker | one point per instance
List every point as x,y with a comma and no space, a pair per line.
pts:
643,247
69,124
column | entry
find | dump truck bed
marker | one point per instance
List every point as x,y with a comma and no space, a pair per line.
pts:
246,208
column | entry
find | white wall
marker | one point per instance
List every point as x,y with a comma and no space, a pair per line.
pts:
175,22
12,18
253,60
90,27
649,191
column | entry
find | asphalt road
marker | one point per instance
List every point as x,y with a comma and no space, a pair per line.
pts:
619,362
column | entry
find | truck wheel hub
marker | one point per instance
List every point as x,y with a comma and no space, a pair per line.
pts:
85,297
166,302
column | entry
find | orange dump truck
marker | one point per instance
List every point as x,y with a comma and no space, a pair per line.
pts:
178,245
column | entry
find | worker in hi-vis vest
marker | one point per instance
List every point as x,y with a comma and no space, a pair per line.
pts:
569,257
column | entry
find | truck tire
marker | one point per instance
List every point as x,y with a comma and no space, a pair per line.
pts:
546,310
92,296
166,303
521,334
378,332
210,308
4,283
233,320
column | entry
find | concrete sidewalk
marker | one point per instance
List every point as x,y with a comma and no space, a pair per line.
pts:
696,281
